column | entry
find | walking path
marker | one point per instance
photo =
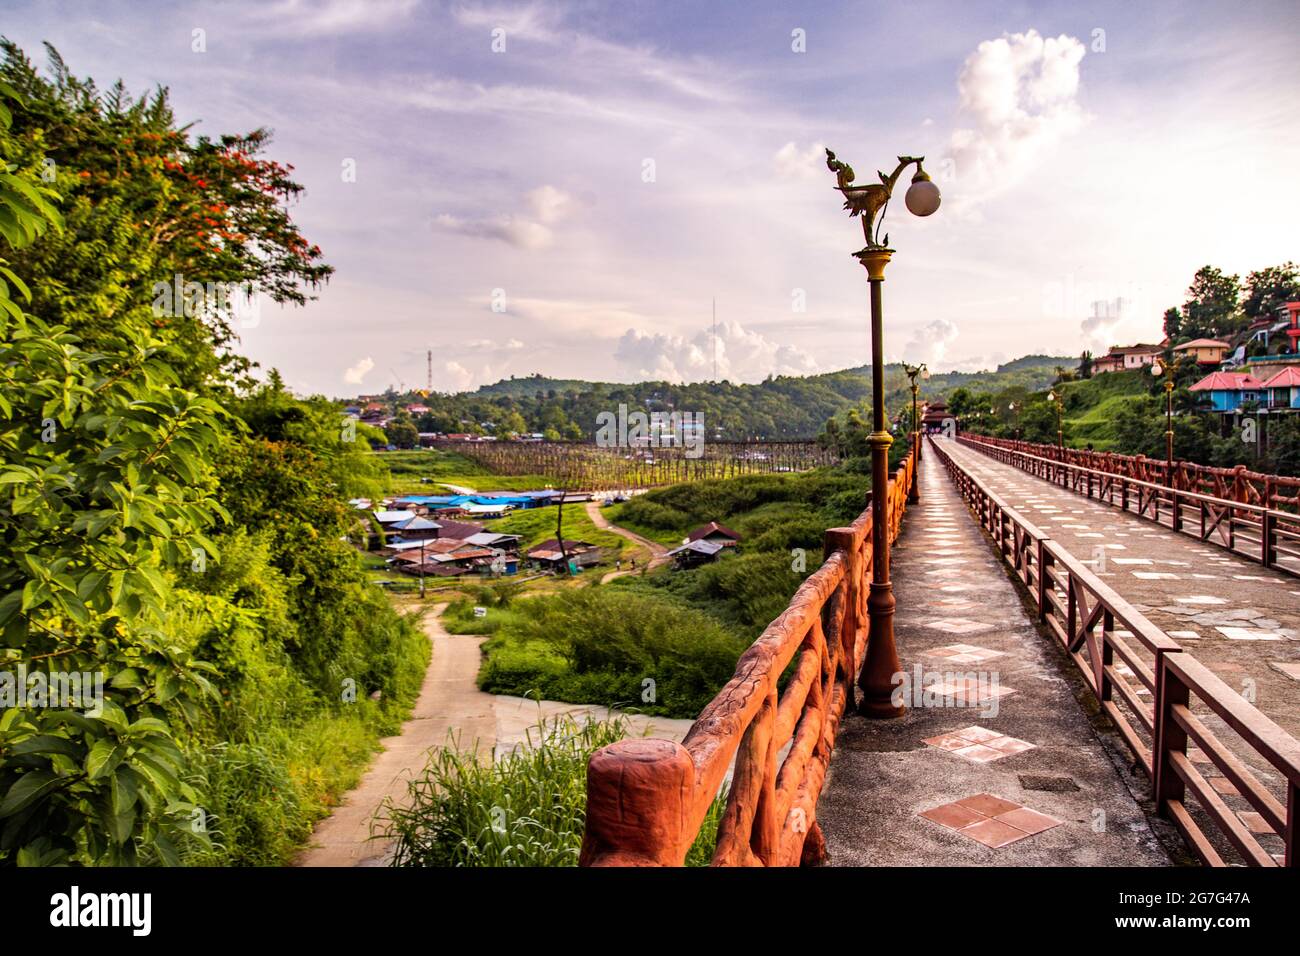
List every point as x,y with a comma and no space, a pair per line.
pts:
1238,618
1018,776
658,553
449,701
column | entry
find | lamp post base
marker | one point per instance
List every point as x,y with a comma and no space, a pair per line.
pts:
880,689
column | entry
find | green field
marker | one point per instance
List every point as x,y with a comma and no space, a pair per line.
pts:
1093,405
407,468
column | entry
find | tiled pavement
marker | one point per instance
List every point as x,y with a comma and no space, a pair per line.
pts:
1236,617
995,761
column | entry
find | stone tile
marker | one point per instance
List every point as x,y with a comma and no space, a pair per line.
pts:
959,625
1224,786
1248,634
1289,668
987,804
1254,822
979,753
993,833
1030,821
953,816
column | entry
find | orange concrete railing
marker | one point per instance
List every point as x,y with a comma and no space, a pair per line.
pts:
647,799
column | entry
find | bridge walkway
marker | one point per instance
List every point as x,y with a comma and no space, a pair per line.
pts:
998,759
1238,618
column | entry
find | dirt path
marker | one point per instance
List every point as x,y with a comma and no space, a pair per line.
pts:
449,700
658,553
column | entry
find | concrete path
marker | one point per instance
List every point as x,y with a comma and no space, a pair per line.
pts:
1238,618
658,553
1016,776
449,701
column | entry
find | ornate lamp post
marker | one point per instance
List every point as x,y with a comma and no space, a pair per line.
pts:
1060,430
912,372
1013,408
1168,372
877,678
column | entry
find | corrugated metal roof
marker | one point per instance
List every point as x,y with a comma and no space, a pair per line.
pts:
700,546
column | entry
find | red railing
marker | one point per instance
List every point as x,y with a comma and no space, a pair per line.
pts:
1150,687
1267,535
1237,484
646,798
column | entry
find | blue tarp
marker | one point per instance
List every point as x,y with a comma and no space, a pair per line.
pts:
525,499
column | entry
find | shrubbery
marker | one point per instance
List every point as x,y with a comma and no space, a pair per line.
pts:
527,808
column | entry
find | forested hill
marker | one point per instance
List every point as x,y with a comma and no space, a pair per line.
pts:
784,407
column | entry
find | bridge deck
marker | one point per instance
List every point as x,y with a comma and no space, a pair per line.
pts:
1238,618
986,796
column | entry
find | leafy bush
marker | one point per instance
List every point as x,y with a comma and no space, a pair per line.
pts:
598,645
528,808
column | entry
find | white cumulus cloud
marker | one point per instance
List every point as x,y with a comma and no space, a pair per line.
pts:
929,343
742,355
795,163
1020,94
356,373
547,206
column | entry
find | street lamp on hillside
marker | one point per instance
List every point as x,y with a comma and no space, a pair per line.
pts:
1055,399
912,372
1168,371
868,201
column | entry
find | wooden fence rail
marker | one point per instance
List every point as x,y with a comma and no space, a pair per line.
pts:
1268,535
646,799
1147,684
589,467
1238,484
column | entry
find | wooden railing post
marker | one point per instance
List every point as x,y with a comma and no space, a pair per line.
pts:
1169,737
640,792
1268,539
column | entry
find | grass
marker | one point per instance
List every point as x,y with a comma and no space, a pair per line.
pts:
601,645
1092,406
263,795
528,808
407,468
538,524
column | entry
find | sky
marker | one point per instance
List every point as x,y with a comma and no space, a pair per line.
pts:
566,188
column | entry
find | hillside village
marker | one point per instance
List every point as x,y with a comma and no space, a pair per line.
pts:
1259,369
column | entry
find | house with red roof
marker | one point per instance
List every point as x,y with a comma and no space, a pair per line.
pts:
719,534
1284,388
1228,391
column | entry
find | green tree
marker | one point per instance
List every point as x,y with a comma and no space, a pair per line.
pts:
1267,290
1213,307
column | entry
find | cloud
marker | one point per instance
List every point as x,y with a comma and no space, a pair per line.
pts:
742,355
929,344
1100,330
323,17
793,163
1020,93
356,373
548,205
